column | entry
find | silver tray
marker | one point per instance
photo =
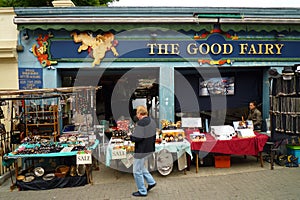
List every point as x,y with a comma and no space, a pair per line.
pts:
28,179
38,171
48,177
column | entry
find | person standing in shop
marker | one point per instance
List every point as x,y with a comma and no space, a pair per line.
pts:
144,137
255,116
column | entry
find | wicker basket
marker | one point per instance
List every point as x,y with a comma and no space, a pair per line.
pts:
62,171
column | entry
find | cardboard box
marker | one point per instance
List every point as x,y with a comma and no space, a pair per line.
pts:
222,161
294,150
224,132
245,133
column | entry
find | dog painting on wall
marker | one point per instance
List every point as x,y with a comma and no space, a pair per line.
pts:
99,45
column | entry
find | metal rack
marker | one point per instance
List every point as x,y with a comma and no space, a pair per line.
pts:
285,105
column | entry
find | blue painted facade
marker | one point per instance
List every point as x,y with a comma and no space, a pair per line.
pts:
244,48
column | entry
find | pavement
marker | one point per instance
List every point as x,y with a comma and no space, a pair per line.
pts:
245,179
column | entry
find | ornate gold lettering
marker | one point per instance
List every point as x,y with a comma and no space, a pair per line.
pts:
151,52
213,48
201,48
279,47
269,49
192,46
243,48
260,49
227,47
252,49
175,49
162,47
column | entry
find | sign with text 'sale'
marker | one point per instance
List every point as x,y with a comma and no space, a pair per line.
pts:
85,158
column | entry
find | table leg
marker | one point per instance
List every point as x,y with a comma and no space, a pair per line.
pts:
197,161
16,168
14,184
261,159
188,162
272,159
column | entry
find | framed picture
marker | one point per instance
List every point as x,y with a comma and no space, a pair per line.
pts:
217,86
248,124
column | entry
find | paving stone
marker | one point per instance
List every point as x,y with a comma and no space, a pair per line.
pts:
245,179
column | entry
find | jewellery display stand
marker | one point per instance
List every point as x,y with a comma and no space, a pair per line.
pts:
42,121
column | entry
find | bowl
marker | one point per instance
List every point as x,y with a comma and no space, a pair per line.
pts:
20,177
38,171
28,178
62,170
48,177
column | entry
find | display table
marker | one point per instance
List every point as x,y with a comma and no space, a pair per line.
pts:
38,182
237,146
179,148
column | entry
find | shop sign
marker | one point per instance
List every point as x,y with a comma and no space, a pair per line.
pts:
118,154
215,47
85,158
30,78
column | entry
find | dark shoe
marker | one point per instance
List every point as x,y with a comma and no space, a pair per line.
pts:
138,194
151,186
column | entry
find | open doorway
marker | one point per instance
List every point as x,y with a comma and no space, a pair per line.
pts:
121,90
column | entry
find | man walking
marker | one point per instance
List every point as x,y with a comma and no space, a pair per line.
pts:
144,137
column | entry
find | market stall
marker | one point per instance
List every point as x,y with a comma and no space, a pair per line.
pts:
234,145
49,165
170,146
118,151
37,118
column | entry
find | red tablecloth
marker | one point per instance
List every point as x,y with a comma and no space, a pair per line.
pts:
237,146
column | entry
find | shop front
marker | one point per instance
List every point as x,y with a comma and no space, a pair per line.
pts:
181,63
175,51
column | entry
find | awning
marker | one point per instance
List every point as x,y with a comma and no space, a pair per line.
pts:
174,18
116,27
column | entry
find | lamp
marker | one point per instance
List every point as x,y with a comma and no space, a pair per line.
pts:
279,36
25,35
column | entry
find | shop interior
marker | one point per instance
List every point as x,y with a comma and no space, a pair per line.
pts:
121,90
237,87
120,87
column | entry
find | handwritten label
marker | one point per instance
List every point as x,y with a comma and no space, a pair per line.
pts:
191,122
118,154
83,158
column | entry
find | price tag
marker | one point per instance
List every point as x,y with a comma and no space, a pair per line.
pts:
85,158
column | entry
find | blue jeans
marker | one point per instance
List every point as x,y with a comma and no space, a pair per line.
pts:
140,173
